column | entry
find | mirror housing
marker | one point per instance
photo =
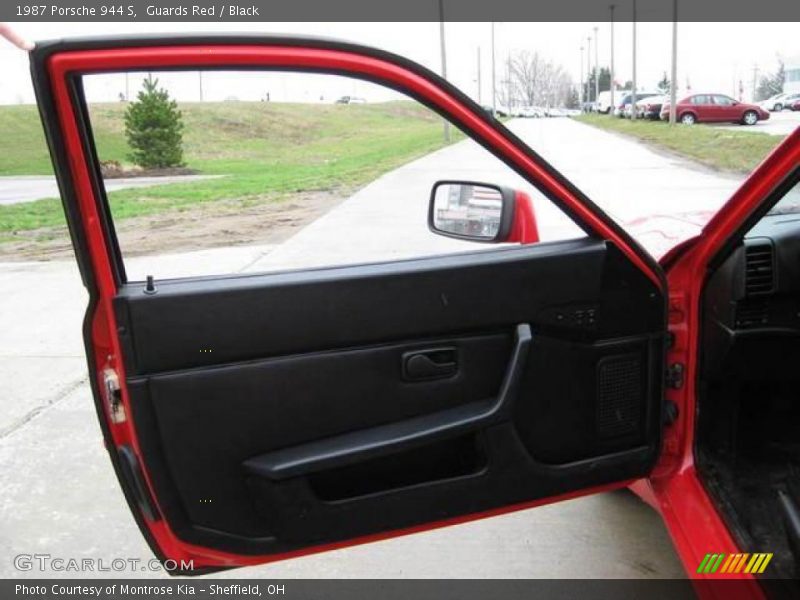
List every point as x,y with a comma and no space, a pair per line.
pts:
481,212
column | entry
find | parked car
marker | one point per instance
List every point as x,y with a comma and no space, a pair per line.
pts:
350,100
796,105
650,107
625,101
531,112
779,102
715,108
603,104
354,403
498,112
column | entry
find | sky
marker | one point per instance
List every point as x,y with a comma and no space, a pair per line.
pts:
711,56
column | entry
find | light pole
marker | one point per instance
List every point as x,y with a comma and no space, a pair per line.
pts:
479,75
444,62
673,85
633,80
583,102
611,80
494,78
596,68
588,68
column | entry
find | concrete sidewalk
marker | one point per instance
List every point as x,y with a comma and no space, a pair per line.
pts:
60,496
27,188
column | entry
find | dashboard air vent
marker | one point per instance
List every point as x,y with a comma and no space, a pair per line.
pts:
758,269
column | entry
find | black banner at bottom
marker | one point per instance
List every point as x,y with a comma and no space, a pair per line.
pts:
391,589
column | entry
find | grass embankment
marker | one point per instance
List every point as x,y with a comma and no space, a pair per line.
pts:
264,151
715,147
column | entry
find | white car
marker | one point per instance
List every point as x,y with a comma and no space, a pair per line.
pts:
623,100
603,104
779,101
531,112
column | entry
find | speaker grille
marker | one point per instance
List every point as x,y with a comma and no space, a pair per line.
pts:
619,383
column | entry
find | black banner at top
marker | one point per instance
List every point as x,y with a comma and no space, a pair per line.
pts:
400,10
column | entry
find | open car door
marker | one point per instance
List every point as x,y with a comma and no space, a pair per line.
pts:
347,404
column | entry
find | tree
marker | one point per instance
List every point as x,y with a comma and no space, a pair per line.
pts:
605,82
532,80
154,128
664,85
771,83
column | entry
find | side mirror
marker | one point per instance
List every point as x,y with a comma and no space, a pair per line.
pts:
481,212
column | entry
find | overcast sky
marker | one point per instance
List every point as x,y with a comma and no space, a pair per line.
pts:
712,56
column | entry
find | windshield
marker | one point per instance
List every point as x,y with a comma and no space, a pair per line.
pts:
789,204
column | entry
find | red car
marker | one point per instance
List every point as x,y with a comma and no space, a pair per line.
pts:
715,108
796,105
350,404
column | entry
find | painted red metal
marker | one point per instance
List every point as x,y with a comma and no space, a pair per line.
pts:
675,488
524,229
104,325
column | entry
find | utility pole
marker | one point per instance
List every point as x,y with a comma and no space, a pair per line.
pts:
611,82
581,86
633,80
494,78
444,62
673,84
200,83
479,75
755,81
589,69
596,68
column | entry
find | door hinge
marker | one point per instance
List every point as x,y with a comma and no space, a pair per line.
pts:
674,376
113,395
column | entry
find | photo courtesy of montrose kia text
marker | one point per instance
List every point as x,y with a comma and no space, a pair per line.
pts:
345,299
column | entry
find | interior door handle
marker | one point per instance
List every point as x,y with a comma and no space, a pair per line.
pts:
432,363
356,446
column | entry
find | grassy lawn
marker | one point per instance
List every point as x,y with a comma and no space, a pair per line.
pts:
712,146
263,151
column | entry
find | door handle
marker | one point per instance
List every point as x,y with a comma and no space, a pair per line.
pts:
431,363
358,446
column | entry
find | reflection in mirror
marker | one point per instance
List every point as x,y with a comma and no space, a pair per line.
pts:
467,210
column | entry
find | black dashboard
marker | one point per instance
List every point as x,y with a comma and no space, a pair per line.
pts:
752,304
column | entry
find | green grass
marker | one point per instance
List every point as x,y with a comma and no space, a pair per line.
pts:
715,147
263,151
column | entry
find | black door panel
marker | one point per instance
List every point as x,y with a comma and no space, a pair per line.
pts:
259,316
275,411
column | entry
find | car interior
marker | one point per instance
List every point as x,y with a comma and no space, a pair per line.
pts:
748,436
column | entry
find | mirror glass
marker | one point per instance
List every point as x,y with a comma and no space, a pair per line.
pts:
467,210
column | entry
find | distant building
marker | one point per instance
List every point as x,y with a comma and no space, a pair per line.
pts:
792,83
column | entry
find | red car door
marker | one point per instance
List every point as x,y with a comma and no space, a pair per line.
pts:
726,109
299,433
693,518
703,106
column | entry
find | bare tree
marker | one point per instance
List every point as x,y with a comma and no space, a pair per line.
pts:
536,81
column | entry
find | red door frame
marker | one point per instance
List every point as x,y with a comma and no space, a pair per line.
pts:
61,66
675,488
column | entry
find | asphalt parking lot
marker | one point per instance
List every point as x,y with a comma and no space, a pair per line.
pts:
779,123
60,496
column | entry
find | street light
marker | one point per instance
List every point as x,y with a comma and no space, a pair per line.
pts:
494,78
588,68
633,80
673,88
444,62
611,8
596,68
581,86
